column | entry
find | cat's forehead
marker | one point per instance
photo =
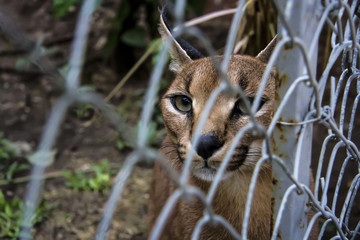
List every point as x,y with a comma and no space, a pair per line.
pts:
201,76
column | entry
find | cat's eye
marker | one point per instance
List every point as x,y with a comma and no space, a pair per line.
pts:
182,103
240,106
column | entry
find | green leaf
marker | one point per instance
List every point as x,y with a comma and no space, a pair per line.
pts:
21,64
64,70
134,37
67,174
10,216
2,200
61,7
196,6
8,210
121,144
7,148
158,45
14,168
42,158
105,178
112,40
93,184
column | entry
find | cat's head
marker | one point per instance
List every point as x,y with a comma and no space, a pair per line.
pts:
182,105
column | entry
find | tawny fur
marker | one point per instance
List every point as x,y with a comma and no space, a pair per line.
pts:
229,202
230,199
197,79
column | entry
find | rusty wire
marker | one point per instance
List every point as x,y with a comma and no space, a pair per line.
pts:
344,42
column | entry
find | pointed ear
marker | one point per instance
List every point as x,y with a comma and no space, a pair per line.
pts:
181,52
265,54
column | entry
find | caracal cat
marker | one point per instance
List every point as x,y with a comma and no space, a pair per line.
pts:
196,78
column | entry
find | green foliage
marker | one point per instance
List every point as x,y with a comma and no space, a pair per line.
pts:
22,63
8,165
11,212
84,110
134,37
195,6
156,131
134,26
14,168
156,53
121,144
7,148
100,181
61,7
118,22
64,70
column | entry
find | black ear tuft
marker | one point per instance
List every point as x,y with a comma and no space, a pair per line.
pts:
265,54
192,52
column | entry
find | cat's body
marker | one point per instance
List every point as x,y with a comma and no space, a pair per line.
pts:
229,202
182,106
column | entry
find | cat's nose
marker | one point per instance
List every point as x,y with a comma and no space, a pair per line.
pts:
208,145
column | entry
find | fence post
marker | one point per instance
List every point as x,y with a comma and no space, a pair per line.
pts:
301,18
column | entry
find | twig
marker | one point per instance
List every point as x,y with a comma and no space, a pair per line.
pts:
55,174
132,70
25,179
13,52
58,41
190,23
208,17
19,72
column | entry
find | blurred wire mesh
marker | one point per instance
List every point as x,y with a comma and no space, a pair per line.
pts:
324,89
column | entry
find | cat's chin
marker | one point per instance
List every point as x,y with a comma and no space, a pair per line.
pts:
208,174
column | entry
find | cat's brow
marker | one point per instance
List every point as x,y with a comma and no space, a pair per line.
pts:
243,83
187,77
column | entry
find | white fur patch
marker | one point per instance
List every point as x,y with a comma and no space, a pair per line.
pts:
171,108
205,173
208,174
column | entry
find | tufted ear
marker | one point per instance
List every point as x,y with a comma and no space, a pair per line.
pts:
265,54
181,51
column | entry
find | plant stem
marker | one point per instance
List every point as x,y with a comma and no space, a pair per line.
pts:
55,174
132,70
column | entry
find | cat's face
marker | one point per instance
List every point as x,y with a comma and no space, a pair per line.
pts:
183,104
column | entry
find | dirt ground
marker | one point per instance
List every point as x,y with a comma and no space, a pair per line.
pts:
26,99
25,103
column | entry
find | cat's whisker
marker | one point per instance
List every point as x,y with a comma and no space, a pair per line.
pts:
182,106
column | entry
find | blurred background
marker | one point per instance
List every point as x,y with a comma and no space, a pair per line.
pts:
89,151
122,49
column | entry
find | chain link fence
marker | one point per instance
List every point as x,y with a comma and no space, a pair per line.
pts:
307,102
